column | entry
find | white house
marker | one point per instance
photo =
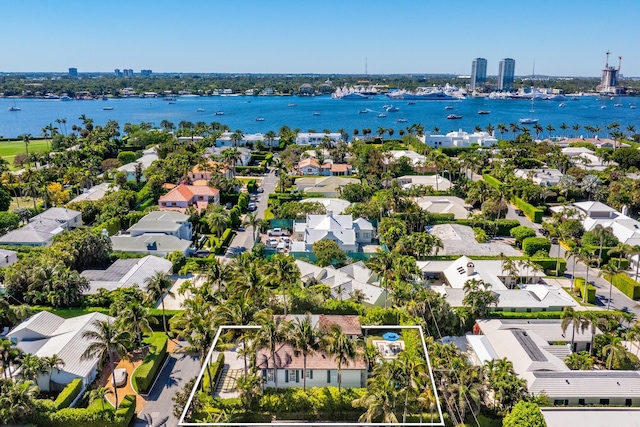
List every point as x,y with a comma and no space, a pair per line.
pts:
67,218
316,138
459,139
343,229
243,160
96,192
148,156
8,258
36,233
321,370
150,244
542,177
356,277
226,140
45,334
436,182
537,349
335,205
584,158
329,186
415,160
444,205
125,273
171,223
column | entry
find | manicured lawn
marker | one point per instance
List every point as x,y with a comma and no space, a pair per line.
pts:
9,149
97,405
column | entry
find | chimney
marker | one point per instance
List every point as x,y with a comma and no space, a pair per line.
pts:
470,269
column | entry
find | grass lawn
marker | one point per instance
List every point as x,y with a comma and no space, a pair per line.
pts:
578,298
9,149
22,202
97,405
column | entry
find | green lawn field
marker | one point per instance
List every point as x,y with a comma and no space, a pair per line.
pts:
9,149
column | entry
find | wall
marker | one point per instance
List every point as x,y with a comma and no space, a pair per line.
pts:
350,378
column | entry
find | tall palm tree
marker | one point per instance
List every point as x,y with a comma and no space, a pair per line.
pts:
411,368
608,271
51,363
107,341
157,287
236,312
270,336
218,220
30,367
9,356
614,352
574,318
236,137
252,220
282,272
136,320
379,400
305,340
341,347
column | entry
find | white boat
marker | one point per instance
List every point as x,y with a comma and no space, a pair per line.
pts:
316,114
562,104
219,113
292,105
528,121
259,119
365,111
617,105
402,120
381,115
602,107
108,108
454,117
51,96
448,107
14,108
392,109
200,110
633,107
66,98
482,112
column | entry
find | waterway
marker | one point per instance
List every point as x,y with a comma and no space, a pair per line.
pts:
318,113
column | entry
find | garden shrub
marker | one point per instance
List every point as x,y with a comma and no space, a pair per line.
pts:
532,245
623,263
68,394
522,232
251,185
144,375
532,212
549,265
626,284
481,236
495,183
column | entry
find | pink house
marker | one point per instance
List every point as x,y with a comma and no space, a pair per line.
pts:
198,174
183,196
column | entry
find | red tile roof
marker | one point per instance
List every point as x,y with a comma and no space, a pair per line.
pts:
287,359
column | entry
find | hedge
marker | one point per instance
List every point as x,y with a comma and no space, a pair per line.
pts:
624,263
251,185
82,417
494,182
591,290
627,285
326,403
549,264
69,394
533,213
522,232
111,225
144,375
222,242
531,245
216,370
504,225
252,170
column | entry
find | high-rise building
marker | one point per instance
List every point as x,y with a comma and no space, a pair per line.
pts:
128,72
73,72
145,73
478,73
117,72
609,83
506,73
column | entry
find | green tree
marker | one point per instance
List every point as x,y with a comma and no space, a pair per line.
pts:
305,340
478,298
100,394
342,348
106,342
574,318
524,414
158,287
328,253
270,336
51,363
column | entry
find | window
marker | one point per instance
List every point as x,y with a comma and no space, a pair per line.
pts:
292,375
528,310
561,402
270,375
580,401
627,402
604,401
308,374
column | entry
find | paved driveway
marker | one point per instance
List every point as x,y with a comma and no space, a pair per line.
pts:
158,412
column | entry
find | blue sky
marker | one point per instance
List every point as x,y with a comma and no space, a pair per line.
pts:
563,37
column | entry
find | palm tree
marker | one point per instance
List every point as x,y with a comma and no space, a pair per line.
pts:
341,347
614,352
17,400
50,363
26,138
136,320
30,367
159,286
550,129
236,137
9,356
379,399
252,220
608,271
411,368
218,220
576,128
564,128
502,128
236,312
107,341
282,271
305,340
572,317
270,336
100,394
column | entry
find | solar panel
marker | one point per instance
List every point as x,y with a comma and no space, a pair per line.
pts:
532,349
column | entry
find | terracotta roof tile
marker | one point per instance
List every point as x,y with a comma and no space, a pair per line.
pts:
287,359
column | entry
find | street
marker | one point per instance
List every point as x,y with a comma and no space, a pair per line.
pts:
158,411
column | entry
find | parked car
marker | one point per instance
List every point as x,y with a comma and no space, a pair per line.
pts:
519,212
202,253
120,377
272,242
260,190
252,207
285,239
544,232
277,232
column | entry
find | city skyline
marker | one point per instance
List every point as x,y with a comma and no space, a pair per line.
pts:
286,37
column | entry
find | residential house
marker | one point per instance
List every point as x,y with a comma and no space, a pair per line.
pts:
45,334
96,192
125,273
36,233
591,416
226,140
316,138
331,204
338,169
542,177
329,186
537,349
356,277
417,161
444,205
308,166
8,258
343,229
150,244
200,174
321,369
586,159
459,139
436,182
243,160
67,218
171,223
148,156
184,196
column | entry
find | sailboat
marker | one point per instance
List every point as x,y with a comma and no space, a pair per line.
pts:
531,120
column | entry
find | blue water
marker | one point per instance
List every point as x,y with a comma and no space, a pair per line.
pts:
241,113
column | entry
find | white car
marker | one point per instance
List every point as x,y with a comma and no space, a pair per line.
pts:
272,242
277,232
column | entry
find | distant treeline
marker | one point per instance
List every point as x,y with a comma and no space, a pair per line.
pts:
34,85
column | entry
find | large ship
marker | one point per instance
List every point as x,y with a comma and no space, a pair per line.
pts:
445,93
359,91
